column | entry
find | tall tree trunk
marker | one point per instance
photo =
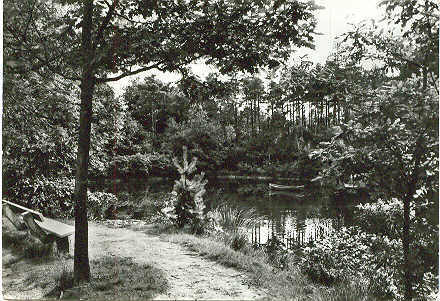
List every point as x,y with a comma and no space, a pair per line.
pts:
81,253
271,110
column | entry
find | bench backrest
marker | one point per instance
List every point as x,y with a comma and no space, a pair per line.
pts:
12,217
22,208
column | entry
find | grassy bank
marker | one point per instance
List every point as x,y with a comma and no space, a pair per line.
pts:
280,283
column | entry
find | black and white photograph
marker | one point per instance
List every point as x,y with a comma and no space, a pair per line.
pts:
220,150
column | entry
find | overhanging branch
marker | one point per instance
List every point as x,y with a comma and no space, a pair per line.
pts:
125,74
177,67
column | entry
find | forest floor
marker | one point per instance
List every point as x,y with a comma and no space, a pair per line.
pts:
189,275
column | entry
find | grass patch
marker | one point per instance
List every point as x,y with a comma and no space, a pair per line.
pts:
287,283
115,279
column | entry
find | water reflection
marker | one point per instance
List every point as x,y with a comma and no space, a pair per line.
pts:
296,219
293,231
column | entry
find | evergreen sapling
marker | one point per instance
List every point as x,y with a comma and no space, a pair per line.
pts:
186,204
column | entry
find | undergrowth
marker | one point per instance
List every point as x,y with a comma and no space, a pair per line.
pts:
26,246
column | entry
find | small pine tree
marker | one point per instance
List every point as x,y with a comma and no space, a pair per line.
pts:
186,205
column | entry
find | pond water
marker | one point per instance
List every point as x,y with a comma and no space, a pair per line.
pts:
294,218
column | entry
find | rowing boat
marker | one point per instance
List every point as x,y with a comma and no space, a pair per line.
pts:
284,187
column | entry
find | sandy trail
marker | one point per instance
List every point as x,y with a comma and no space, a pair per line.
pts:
190,276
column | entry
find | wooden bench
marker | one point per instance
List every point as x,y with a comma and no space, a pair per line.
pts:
45,229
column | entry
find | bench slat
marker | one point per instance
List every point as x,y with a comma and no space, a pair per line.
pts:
57,228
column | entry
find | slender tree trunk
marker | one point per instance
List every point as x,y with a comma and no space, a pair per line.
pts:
339,113
303,111
81,254
236,122
405,242
327,110
257,113
406,239
271,110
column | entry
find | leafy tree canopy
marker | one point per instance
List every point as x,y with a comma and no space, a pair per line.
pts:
164,35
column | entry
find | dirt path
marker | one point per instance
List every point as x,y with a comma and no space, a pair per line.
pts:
190,276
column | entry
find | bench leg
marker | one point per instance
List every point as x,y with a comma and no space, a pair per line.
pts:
63,244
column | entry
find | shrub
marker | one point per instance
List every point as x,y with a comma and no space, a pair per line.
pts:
384,218
101,205
237,241
151,204
372,252
130,165
26,245
161,164
277,253
36,249
231,224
